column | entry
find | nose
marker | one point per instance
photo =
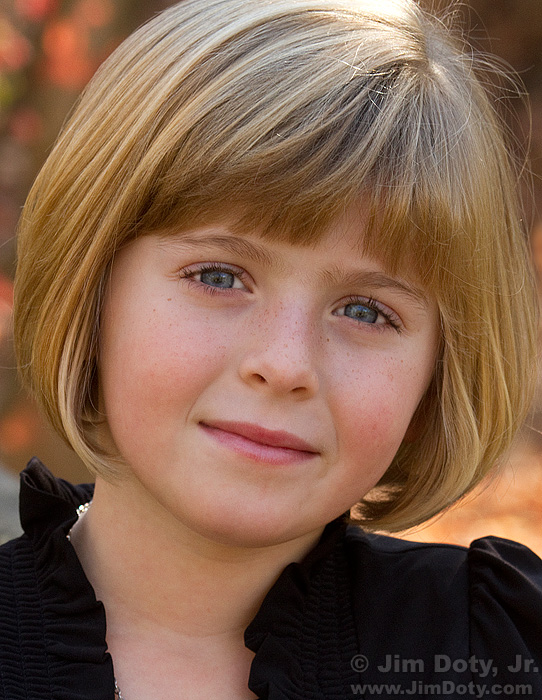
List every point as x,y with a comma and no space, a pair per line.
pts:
280,354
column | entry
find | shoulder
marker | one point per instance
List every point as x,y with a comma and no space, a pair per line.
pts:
441,601
491,558
419,588
497,563
491,567
443,566
505,605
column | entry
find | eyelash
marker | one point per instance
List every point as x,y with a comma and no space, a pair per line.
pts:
392,320
189,273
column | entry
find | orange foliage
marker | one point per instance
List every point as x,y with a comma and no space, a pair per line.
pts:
67,60
15,50
536,246
26,125
68,57
6,304
6,291
95,13
18,430
35,10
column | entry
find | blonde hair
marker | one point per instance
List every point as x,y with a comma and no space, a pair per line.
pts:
292,110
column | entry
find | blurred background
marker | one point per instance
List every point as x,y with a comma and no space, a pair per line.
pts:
49,49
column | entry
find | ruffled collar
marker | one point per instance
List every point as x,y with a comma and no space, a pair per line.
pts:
303,636
72,635
47,503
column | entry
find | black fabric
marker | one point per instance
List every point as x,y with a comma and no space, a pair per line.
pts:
362,616
52,629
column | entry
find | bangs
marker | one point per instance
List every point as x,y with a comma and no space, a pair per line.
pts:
288,161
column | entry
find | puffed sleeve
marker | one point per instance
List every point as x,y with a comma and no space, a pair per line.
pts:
505,583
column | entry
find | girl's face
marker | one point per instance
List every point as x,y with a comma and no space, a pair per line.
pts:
257,390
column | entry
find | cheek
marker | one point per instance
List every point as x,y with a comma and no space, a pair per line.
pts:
160,343
154,365
376,409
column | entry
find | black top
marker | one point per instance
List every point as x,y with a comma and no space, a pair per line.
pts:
362,615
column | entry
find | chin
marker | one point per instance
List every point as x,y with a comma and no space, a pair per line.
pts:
249,533
254,528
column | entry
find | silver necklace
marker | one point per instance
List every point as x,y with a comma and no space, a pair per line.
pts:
81,510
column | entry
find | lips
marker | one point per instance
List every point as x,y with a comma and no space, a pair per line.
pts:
274,446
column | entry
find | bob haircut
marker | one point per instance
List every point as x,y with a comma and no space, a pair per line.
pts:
286,112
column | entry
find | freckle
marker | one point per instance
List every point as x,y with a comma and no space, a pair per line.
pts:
170,300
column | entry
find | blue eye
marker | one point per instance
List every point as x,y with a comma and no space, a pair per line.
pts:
218,278
369,312
361,312
214,278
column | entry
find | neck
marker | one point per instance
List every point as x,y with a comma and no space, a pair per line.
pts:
155,577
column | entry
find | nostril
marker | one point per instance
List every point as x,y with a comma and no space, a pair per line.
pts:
279,373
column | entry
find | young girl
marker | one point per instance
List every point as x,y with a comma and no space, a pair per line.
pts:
273,286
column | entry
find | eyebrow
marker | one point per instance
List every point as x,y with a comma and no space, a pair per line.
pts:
374,279
232,244
252,250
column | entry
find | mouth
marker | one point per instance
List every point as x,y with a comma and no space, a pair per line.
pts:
260,444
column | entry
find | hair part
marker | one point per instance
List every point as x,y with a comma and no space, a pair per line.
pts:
287,112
